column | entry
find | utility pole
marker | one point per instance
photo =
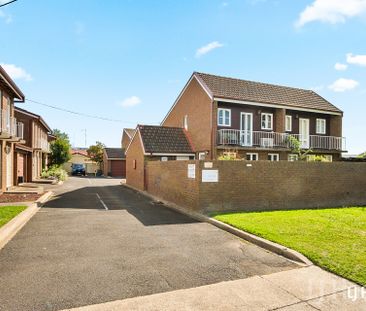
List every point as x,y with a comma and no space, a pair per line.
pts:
84,130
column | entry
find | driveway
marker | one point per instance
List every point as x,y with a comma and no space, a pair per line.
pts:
97,241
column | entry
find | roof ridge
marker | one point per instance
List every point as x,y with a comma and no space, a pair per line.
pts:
257,82
162,126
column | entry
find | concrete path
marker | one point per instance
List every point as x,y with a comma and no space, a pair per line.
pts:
96,241
305,289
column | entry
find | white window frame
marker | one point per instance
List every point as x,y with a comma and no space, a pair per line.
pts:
201,155
224,111
288,123
251,155
185,122
321,126
293,157
266,115
272,157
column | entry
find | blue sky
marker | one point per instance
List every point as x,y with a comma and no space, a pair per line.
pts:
128,60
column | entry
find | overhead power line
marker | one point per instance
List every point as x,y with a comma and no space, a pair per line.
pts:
4,4
79,113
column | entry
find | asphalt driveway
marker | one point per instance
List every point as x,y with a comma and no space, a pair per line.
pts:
97,241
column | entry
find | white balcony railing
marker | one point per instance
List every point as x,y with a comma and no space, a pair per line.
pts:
229,137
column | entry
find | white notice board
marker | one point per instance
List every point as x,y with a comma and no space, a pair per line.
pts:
210,175
192,171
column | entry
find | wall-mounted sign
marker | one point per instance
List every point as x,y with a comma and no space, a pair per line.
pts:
208,164
164,159
210,175
192,171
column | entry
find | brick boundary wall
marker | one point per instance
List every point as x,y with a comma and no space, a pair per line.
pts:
259,185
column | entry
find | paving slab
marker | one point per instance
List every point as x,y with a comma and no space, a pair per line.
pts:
252,294
310,282
350,300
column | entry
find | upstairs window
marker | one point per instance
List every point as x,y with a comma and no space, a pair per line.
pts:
288,124
321,125
267,121
224,117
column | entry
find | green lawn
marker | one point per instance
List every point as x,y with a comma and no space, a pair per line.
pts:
334,239
7,213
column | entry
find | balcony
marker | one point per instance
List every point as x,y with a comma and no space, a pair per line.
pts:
269,140
9,127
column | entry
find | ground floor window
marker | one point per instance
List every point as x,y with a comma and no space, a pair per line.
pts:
273,157
252,157
293,157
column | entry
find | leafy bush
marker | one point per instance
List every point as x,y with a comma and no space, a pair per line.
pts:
54,172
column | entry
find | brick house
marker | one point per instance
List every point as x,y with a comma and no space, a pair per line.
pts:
11,131
155,143
127,135
114,162
31,153
253,120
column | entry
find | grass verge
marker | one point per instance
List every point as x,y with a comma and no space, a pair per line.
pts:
7,213
334,239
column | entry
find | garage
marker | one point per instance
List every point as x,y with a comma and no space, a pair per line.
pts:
114,162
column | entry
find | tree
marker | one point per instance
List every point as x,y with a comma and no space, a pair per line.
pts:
60,148
95,152
295,146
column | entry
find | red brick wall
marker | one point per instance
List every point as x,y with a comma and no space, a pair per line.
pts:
125,140
196,104
168,180
262,186
135,175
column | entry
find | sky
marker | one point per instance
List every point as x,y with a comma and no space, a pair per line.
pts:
127,60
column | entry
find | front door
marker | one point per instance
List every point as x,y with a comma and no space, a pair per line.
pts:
304,133
246,129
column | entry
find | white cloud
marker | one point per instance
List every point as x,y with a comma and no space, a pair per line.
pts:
331,11
208,48
356,59
130,101
342,85
340,67
6,17
16,72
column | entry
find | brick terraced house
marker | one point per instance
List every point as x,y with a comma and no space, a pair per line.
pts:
11,131
253,120
155,143
31,153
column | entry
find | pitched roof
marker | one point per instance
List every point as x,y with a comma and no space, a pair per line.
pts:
9,83
237,89
163,139
35,116
115,153
79,151
129,132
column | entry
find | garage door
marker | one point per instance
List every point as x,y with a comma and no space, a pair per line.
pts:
118,168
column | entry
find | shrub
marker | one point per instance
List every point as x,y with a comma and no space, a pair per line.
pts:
54,172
